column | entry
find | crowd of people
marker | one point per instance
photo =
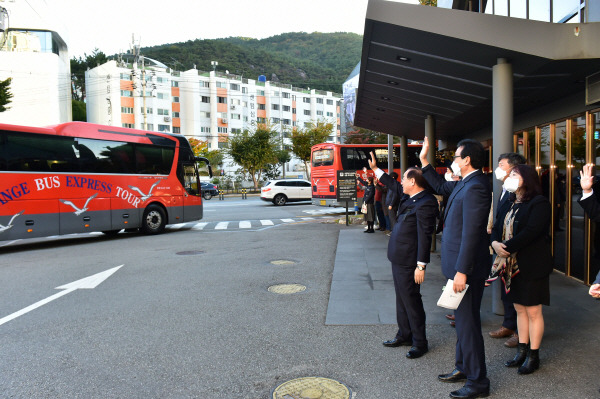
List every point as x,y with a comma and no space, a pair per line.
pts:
478,247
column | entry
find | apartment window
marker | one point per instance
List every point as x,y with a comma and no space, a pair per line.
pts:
294,124
205,114
162,80
164,128
125,76
319,113
204,129
293,110
236,130
221,85
330,114
286,108
329,102
275,94
236,116
162,111
175,115
149,126
307,124
222,145
128,125
245,90
319,101
307,112
261,106
275,107
261,120
260,92
148,110
175,99
205,99
174,83
204,84
306,100
234,86
293,98
222,100
176,129
286,121
276,120
126,110
222,129
126,93
222,115
162,96
245,119
285,95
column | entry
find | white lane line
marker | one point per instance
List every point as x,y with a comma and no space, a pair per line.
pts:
287,220
199,226
266,222
10,242
221,226
307,218
176,226
245,224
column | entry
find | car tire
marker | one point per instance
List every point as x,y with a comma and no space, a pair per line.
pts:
280,200
207,196
154,220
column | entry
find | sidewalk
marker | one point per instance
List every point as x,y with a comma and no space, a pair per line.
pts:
362,293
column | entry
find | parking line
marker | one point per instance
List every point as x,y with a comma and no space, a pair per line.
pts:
245,224
287,220
199,226
221,226
266,222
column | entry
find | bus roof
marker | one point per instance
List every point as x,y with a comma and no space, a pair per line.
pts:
332,145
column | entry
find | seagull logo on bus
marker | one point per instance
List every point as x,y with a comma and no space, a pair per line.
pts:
144,197
10,225
79,211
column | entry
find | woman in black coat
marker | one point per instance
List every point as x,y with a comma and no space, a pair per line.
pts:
369,199
520,239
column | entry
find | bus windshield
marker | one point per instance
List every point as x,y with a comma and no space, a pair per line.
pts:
322,157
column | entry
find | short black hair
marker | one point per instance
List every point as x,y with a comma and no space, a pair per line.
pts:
474,150
512,158
417,174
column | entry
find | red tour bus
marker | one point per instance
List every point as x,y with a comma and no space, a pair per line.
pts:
328,158
81,177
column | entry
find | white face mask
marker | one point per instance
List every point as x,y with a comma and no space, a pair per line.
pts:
455,168
511,184
500,174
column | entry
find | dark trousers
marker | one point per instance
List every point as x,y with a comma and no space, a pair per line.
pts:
410,313
510,313
470,352
380,215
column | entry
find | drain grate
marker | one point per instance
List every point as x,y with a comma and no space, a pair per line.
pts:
190,252
286,288
283,262
311,388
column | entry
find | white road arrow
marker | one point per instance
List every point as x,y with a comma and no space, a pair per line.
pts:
85,283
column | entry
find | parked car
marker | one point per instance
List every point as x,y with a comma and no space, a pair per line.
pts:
280,192
209,190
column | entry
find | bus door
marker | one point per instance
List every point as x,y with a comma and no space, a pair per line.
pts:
192,197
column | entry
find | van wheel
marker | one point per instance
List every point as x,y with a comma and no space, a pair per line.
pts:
280,200
154,220
207,195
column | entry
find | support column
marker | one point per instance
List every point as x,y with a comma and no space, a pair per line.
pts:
403,156
390,164
502,122
430,134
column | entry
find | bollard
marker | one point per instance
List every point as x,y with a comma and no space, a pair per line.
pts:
244,196
221,196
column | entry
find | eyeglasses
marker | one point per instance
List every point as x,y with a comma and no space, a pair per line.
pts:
457,156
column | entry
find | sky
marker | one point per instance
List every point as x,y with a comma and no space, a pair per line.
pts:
109,24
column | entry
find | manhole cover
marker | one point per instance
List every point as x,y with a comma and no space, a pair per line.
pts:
311,388
286,288
283,262
190,252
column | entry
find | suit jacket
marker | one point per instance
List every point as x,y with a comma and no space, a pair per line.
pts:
591,207
369,194
465,243
410,241
530,237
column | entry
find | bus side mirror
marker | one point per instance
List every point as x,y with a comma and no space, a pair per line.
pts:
205,161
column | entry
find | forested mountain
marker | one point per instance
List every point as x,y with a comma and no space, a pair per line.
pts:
320,61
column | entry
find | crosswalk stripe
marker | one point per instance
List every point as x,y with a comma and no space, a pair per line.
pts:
199,226
221,225
177,226
245,224
266,222
308,218
287,220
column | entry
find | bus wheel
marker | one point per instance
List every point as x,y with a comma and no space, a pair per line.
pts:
207,195
111,232
279,200
154,220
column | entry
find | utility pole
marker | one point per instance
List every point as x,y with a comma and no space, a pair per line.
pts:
144,94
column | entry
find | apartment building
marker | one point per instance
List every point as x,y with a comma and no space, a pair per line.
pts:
142,93
34,54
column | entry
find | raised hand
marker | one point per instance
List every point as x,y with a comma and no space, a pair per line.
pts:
586,178
424,151
373,162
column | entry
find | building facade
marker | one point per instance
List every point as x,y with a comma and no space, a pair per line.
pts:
145,94
34,54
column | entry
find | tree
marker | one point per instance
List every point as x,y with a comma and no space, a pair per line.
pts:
254,150
5,94
79,111
365,136
432,3
200,149
78,68
304,139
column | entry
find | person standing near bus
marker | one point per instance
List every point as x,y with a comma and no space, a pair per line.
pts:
465,258
368,199
408,250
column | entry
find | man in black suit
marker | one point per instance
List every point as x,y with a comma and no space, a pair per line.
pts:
465,258
408,250
509,325
591,207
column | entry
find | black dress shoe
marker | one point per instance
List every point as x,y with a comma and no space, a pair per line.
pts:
416,352
468,392
453,376
396,342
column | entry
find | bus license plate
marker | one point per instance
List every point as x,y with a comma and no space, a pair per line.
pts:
323,202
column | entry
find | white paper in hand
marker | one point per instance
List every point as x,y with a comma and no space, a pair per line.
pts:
450,299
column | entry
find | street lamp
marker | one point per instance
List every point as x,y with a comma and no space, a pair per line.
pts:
214,65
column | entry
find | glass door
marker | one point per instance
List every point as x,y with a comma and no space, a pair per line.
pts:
559,196
594,121
577,240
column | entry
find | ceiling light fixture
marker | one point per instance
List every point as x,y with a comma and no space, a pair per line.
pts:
386,98
380,109
402,58
393,83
